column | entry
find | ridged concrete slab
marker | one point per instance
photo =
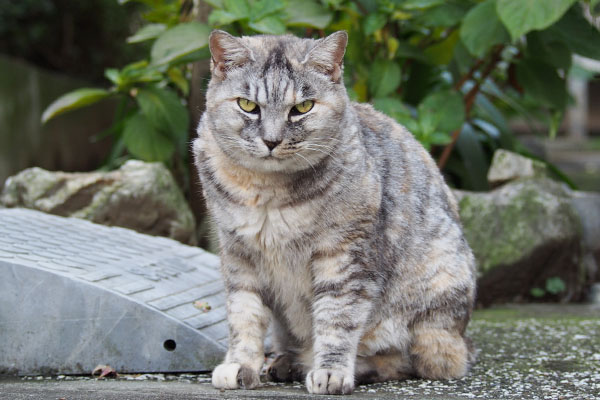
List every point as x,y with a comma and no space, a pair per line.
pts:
74,294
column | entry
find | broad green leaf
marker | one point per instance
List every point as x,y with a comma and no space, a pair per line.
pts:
541,82
537,292
577,33
406,50
474,159
144,141
392,107
113,75
440,138
179,41
555,285
307,13
444,15
481,29
446,108
221,17
76,99
176,76
554,53
239,8
384,78
165,112
522,16
271,25
441,53
262,8
373,22
150,31
420,4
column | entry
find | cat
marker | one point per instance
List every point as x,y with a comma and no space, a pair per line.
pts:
335,225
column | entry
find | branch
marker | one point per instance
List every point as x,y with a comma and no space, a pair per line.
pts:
469,100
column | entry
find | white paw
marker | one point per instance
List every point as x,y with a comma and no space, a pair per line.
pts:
329,381
225,376
234,376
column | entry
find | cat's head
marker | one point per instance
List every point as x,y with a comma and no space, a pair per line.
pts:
276,103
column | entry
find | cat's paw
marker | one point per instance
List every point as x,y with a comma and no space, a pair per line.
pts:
329,381
235,376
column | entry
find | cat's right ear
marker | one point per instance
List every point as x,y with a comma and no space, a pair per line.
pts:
227,53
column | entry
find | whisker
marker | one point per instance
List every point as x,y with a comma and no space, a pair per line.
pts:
305,159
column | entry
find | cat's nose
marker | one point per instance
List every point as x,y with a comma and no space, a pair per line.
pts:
271,144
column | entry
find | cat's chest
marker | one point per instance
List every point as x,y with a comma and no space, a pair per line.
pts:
270,227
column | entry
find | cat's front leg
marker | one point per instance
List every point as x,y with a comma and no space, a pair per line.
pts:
248,320
343,293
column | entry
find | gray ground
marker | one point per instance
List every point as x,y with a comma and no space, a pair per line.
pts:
525,352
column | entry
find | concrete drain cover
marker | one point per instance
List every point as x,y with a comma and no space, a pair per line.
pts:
74,294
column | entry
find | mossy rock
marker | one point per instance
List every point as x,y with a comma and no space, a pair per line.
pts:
523,234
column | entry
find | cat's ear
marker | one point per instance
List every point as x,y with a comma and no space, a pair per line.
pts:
328,54
227,53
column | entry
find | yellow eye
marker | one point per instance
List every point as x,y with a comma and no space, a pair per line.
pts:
247,105
304,107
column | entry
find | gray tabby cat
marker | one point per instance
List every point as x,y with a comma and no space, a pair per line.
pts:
335,225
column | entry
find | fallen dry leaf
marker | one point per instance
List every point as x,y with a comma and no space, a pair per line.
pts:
202,306
104,371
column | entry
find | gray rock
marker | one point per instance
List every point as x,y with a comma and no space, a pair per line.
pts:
140,196
508,166
524,235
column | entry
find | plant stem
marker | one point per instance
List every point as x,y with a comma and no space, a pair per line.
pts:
469,99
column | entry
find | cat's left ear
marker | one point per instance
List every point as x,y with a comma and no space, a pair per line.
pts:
327,55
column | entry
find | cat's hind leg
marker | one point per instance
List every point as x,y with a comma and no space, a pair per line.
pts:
382,367
286,368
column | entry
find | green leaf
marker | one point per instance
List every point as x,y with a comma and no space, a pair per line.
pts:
473,156
537,292
271,25
144,141
577,33
555,285
165,112
113,75
374,22
406,50
150,31
384,78
221,17
239,8
446,108
555,53
440,138
441,53
392,107
262,8
176,76
420,4
522,16
307,13
481,29
179,41
76,99
444,15
541,82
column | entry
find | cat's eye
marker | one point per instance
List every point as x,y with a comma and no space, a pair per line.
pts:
304,107
247,105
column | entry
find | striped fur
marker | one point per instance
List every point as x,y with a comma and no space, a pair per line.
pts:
344,236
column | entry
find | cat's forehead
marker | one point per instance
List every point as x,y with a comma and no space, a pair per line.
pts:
278,52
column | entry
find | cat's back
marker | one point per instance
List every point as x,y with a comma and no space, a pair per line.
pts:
410,175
